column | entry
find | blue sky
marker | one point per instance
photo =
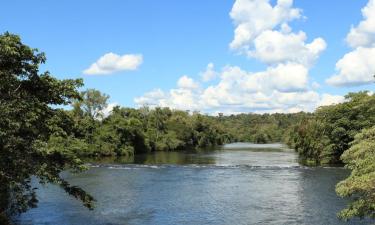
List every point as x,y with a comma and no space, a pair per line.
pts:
177,38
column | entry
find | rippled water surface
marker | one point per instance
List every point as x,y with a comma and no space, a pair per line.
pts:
237,184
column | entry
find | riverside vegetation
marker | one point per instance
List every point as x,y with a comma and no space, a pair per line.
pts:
37,138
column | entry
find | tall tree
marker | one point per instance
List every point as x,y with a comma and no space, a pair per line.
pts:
29,118
92,103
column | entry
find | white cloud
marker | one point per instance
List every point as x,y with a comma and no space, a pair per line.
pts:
262,32
355,68
364,34
108,110
252,17
283,77
327,99
111,63
358,66
151,98
186,82
183,97
209,73
283,88
274,47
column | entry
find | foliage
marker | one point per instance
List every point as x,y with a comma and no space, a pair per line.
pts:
325,136
360,185
27,122
310,142
127,131
265,128
92,104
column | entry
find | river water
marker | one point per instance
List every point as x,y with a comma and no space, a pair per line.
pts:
240,183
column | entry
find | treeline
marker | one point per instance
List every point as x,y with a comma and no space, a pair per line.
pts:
261,128
328,133
129,131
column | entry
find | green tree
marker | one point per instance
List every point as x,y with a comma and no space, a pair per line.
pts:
28,120
360,185
92,104
324,137
123,133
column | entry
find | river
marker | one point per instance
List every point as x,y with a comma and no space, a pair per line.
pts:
236,184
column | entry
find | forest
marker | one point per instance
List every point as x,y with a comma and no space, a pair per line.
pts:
128,131
49,125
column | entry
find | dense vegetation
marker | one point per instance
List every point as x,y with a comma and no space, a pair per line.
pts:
360,158
324,137
39,139
265,128
127,131
27,123
343,133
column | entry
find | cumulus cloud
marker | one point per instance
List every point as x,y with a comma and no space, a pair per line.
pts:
186,82
283,88
358,66
108,110
252,17
274,47
283,77
327,99
209,73
262,32
179,98
152,98
111,63
364,34
249,91
355,68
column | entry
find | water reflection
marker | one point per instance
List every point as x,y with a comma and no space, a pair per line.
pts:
231,185
228,155
175,158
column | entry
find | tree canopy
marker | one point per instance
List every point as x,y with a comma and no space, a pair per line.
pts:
324,137
29,119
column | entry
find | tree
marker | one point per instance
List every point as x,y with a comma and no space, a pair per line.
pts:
92,104
360,185
29,118
328,134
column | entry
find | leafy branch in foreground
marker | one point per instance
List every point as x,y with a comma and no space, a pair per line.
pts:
360,185
29,118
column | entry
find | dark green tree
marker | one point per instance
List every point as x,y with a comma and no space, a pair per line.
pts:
324,137
29,118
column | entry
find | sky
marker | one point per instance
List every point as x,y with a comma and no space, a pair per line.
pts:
229,56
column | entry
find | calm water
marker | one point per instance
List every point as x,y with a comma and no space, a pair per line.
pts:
239,184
